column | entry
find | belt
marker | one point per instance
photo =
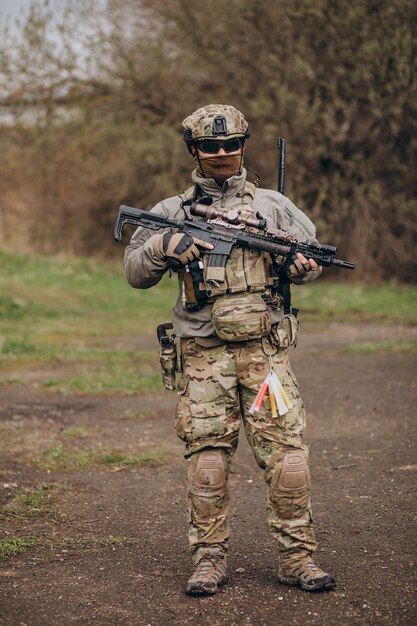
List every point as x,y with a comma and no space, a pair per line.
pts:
212,341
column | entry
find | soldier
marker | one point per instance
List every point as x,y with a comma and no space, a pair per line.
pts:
228,347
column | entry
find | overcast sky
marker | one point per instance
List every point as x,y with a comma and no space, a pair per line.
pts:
13,8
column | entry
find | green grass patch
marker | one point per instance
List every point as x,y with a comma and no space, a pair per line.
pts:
105,380
31,501
60,458
384,303
10,381
15,545
67,459
99,371
56,311
26,352
20,309
95,544
150,458
381,346
78,297
75,432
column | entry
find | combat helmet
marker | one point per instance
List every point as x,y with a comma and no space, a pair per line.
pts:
214,121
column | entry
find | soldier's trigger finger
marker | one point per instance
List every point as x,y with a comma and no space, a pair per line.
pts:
204,245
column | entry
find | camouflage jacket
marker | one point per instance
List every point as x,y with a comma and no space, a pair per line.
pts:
143,270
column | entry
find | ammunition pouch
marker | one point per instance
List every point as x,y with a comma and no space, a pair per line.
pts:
285,333
167,356
241,317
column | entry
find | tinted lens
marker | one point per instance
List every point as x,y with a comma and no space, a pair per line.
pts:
231,145
209,146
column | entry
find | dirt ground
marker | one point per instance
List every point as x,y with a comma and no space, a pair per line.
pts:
111,543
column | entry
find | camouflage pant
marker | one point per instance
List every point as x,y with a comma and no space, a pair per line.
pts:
216,391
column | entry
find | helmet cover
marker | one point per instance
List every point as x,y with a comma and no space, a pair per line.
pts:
216,121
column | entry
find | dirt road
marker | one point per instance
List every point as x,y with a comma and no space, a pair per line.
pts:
109,540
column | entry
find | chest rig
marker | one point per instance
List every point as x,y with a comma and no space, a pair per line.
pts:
240,289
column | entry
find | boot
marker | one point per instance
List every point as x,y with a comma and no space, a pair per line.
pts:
209,573
304,572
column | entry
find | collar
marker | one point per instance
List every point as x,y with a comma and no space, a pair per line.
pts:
230,188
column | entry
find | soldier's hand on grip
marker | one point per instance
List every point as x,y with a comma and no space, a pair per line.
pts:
301,266
180,248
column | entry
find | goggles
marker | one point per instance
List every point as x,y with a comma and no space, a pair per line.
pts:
212,146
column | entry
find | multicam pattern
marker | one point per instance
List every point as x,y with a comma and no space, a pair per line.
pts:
168,361
241,317
239,311
216,391
200,123
245,270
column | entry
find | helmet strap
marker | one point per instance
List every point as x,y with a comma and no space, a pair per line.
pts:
241,161
200,167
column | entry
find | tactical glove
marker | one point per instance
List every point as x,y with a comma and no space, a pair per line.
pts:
299,265
302,270
179,248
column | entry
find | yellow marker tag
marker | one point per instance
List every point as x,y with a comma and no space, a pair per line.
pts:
285,397
272,400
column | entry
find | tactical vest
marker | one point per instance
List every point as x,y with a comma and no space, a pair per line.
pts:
240,292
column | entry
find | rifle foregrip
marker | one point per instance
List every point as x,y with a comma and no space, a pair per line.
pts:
268,246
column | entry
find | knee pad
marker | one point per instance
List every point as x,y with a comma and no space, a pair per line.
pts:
208,470
291,484
294,474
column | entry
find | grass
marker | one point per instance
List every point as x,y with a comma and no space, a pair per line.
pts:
106,380
15,545
78,297
61,458
69,314
75,432
57,312
30,501
68,544
150,458
66,459
382,346
383,303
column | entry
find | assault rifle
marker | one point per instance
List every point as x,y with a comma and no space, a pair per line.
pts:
227,229
224,230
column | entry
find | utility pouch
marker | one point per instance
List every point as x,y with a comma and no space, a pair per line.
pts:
167,355
285,333
241,317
